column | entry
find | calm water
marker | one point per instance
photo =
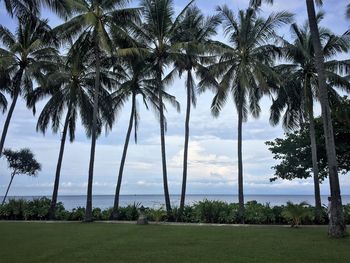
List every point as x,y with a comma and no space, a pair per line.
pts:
156,201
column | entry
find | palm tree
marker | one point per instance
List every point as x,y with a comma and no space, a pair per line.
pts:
136,79
25,56
94,18
257,3
244,69
23,8
157,32
71,89
296,97
5,83
193,40
337,227
296,212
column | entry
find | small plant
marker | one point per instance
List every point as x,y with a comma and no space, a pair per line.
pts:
20,162
296,212
157,215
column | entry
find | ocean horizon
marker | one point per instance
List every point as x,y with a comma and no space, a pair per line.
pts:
156,201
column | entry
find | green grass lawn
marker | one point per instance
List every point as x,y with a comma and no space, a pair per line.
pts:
97,242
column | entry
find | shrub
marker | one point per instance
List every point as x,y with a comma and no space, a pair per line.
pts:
37,209
77,214
256,213
297,212
347,214
212,211
156,215
129,212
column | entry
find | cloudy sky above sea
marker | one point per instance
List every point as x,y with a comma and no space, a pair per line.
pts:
212,160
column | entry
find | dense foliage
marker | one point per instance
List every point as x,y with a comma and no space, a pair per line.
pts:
216,212
294,150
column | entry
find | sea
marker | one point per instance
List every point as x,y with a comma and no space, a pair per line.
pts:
156,201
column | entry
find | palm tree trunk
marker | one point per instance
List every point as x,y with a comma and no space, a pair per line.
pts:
187,134
318,204
240,163
337,226
312,134
8,188
17,86
88,212
162,141
114,214
52,209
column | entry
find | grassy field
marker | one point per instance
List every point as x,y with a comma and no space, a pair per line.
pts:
77,242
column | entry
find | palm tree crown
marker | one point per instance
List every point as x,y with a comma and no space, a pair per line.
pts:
244,68
25,57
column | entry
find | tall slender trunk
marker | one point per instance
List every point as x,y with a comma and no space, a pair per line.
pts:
8,188
88,212
312,134
187,134
114,214
52,209
17,86
240,162
337,226
162,141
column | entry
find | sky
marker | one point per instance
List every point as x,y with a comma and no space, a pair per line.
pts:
212,164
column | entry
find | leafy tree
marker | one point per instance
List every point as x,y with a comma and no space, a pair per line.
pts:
337,223
157,32
295,99
70,88
91,21
25,57
20,162
294,150
193,46
244,69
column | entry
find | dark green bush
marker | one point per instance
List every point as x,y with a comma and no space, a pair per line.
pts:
212,211
256,213
130,212
205,211
77,214
347,214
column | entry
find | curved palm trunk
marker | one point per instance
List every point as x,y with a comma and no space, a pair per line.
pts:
88,212
187,133
337,226
12,108
162,141
240,165
52,209
8,188
312,134
114,214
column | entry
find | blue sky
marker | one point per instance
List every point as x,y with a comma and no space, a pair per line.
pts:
212,152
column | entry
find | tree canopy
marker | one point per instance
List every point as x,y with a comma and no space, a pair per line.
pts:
22,162
294,150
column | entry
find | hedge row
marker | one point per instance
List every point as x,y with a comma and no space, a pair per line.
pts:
201,212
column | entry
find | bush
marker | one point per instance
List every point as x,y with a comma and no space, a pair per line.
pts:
37,209
297,213
256,213
212,212
129,213
156,215
347,214
77,214
205,211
